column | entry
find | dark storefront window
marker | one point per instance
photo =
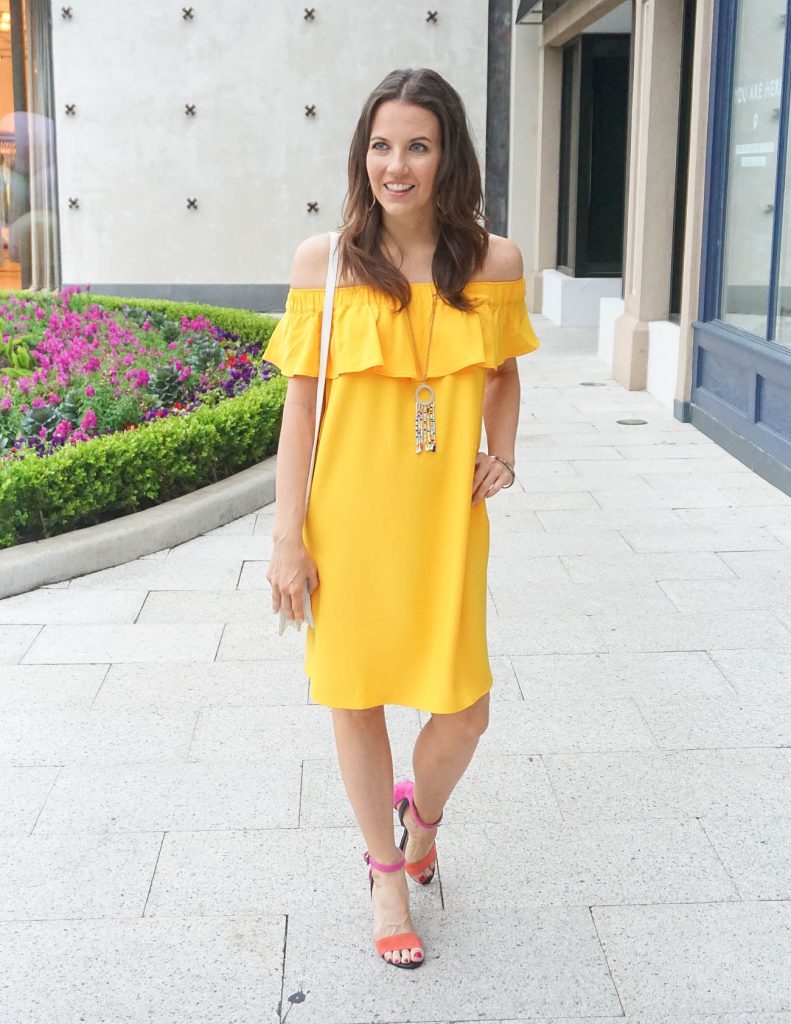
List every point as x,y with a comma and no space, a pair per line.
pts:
592,186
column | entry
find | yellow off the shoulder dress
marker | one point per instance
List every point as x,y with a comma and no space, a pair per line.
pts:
401,553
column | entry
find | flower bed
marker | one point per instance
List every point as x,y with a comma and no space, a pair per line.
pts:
111,405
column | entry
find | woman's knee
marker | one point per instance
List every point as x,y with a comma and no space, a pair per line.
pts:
471,722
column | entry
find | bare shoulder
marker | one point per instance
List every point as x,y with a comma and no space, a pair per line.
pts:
503,261
309,268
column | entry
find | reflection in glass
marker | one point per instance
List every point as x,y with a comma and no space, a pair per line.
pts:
752,164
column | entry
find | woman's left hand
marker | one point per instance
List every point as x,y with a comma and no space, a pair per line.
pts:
490,476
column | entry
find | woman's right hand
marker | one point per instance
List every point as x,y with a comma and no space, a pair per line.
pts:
289,567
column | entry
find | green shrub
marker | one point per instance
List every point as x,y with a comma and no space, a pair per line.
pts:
116,474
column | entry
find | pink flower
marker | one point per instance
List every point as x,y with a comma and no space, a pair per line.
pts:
88,421
89,391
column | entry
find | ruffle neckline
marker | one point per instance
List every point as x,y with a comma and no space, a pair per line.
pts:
369,335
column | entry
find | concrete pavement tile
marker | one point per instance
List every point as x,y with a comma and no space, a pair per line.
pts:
546,961
689,538
661,784
49,686
563,598
253,577
24,792
260,641
782,532
676,498
142,972
73,735
728,595
172,797
699,957
526,545
539,726
584,452
531,570
203,684
228,548
544,634
756,853
695,565
550,501
758,563
697,478
512,520
82,876
72,606
246,873
716,460
703,723
164,574
660,676
670,450
691,632
218,606
770,516
610,519
62,644
257,733
756,491
576,429
579,863
15,641
756,675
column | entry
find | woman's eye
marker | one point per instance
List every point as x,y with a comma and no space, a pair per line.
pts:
421,144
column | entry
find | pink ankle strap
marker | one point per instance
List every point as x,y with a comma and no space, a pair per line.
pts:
382,867
404,790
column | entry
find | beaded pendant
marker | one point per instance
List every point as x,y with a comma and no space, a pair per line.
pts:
425,426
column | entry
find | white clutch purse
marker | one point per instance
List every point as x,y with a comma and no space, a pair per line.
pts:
285,622
326,326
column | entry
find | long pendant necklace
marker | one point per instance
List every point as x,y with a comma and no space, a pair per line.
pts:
425,425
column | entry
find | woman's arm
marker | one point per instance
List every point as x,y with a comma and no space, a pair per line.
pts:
501,396
291,562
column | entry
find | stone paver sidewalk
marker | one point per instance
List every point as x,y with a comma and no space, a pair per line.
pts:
175,845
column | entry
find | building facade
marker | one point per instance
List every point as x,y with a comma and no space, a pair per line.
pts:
635,149
661,220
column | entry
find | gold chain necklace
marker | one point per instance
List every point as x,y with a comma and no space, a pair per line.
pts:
425,426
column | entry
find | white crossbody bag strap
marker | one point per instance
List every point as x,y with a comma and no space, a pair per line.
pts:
326,327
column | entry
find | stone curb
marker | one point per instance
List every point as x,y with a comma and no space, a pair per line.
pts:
27,566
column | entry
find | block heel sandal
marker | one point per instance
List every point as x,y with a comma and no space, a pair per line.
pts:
403,940
402,798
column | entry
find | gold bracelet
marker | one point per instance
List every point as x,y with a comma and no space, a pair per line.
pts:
511,468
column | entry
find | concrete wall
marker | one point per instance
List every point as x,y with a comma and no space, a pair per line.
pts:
250,155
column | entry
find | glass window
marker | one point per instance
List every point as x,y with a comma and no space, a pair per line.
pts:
752,163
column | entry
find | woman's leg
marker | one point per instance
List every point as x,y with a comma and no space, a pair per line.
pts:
366,764
442,752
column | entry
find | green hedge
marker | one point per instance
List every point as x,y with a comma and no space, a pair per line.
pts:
115,474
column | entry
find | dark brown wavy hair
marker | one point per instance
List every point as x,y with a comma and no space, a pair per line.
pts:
458,199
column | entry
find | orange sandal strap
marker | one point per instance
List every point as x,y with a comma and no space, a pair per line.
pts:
417,867
404,940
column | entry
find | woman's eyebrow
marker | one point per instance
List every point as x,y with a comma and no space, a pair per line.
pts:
417,138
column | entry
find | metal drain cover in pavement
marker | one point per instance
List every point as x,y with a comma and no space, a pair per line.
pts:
593,384
632,423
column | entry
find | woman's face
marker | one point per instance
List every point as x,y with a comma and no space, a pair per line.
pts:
404,149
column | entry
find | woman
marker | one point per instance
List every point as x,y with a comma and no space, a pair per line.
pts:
395,542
